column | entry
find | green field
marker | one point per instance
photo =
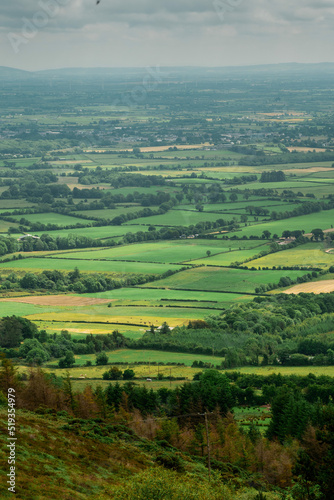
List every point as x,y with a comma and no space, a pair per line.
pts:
52,218
132,355
224,279
153,294
310,254
178,218
322,220
62,264
108,213
161,251
103,232
235,255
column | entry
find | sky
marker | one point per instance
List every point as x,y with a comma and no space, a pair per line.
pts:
48,34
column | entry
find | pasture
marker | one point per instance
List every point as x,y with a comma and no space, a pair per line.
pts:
223,279
310,254
167,251
102,232
91,266
178,218
322,220
52,218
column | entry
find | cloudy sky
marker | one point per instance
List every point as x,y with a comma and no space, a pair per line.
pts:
42,34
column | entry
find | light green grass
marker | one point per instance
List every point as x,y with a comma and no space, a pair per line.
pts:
132,355
36,264
311,254
103,232
322,220
226,259
160,251
178,218
52,218
229,280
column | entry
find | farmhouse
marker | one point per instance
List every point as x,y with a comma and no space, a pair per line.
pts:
21,238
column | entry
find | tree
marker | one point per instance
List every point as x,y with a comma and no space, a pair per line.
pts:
128,374
164,328
208,253
317,234
10,332
68,361
233,197
113,373
101,359
266,234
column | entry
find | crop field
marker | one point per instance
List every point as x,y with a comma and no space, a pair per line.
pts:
81,330
4,225
65,264
325,286
108,213
15,204
156,295
161,251
310,254
102,232
137,316
223,279
178,218
235,255
133,355
239,205
322,220
52,218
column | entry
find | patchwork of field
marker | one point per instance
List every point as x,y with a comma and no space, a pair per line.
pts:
52,218
177,218
137,316
102,232
322,220
92,266
310,255
223,279
168,251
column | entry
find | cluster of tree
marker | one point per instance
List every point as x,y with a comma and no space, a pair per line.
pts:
115,373
273,176
257,160
117,180
76,281
265,331
20,338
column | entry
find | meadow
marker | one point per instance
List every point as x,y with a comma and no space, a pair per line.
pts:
91,266
310,254
322,220
223,279
102,232
168,251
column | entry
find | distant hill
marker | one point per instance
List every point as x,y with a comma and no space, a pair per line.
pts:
13,73
284,69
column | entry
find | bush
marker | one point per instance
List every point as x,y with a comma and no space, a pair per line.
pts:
101,359
113,374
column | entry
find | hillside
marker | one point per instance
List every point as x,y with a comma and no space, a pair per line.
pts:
62,458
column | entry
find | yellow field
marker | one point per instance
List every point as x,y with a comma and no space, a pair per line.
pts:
78,317
300,256
317,287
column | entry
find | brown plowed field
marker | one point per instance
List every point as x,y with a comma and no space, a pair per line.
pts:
58,300
325,286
